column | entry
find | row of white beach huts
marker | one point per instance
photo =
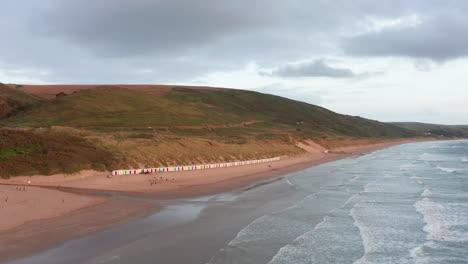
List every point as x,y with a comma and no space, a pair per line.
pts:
192,167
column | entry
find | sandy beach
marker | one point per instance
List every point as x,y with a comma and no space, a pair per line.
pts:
21,204
55,207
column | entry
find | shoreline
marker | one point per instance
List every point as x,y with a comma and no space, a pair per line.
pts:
43,234
94,218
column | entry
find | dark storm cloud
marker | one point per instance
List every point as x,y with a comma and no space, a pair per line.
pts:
440,37
316,68
140,27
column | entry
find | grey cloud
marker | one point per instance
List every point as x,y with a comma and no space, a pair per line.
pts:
316,68
441,37
123,28
109,41
141,27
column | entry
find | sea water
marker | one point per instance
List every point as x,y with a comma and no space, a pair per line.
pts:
405,204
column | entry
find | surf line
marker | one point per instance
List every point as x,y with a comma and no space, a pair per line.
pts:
192,167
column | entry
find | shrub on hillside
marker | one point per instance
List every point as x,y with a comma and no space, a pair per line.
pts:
27,153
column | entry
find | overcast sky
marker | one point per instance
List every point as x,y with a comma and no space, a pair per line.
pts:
391,60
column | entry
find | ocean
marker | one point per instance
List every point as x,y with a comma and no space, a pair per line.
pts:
403,204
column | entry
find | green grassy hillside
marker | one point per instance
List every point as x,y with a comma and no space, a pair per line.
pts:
107,107
454,131
114,127
249,105
26,153
119,107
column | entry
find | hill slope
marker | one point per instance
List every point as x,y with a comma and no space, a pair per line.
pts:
453,131
249,105
13,100
120,107
139,126
26,153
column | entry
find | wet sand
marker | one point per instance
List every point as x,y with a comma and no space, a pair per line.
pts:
22,204
41,234
185,231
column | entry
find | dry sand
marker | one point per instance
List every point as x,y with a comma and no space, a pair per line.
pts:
66,211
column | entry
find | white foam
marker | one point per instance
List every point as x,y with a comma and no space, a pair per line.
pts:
372,186
355,178
434,192
433,252
292,251
431,157
422,178
382,230
427,192
406,167
249,233
464,159
333,238
441,219
418,254
365,239
448,170
260,228
290,183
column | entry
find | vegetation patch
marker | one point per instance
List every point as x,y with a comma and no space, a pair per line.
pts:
14,101
5,153
141,135
449,131
27,153
109,127
190,111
